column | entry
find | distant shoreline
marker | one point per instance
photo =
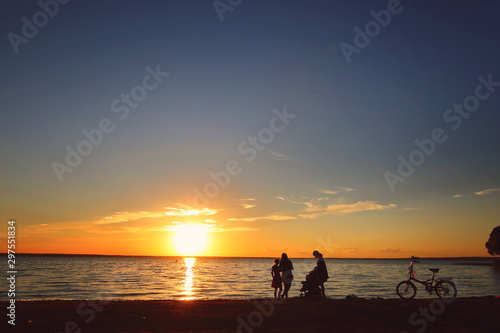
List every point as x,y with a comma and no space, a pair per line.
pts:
492,259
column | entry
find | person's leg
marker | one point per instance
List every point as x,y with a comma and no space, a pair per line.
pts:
279,294
275,291
287,287
322,288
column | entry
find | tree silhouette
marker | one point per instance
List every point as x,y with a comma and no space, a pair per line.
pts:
493,243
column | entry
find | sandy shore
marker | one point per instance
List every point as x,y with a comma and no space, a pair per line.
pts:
477,314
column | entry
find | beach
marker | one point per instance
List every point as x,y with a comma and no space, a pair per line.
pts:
472,314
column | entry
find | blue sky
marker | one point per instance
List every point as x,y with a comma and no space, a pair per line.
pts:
322,175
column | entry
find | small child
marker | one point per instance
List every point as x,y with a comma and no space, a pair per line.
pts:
277,281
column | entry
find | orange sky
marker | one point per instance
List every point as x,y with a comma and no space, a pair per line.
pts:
246,227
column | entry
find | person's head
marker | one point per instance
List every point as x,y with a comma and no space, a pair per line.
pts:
317,255
276,261
284,257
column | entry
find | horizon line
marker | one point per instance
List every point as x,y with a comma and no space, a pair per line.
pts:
236,257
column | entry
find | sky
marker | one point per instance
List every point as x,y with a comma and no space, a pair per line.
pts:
250,128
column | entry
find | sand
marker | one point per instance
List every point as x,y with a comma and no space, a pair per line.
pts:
476,314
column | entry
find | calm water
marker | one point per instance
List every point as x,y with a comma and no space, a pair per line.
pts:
213,278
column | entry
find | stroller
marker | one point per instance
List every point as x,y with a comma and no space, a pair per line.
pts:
310,286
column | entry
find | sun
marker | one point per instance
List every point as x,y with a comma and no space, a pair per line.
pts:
190,239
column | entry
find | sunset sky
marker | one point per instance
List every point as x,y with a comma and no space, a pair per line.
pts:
116,115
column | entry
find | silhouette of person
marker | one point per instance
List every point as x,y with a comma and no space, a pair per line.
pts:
277,281
320,272
286,273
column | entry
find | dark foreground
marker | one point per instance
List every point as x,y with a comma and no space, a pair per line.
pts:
478,314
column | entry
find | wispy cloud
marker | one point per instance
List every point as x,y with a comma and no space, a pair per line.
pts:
337,190
189,212
347,189
488,191
169,211
248,203
273,217
312,211
458,195
328,191
342,208
234,229
391,250
128,216
279,157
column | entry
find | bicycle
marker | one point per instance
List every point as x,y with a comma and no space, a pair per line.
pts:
444,289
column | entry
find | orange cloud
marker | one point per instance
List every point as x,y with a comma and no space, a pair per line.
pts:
128,216
488,191
189,212
313,211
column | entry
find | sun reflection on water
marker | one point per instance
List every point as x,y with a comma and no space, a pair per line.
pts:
188,290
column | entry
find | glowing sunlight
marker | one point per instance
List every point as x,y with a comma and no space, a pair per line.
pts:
190,239
188,291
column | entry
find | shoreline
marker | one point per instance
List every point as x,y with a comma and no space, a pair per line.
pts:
471,314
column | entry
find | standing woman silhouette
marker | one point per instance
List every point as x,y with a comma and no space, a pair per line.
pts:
286,273
320,272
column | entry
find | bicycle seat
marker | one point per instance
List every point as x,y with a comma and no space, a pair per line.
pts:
434,270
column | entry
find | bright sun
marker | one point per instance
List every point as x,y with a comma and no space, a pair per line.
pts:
190,239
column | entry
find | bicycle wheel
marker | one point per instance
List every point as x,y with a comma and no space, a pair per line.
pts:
406,290
446,289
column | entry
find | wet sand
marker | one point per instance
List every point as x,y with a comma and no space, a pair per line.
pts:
476,314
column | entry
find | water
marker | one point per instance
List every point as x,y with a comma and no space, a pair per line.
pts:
129,278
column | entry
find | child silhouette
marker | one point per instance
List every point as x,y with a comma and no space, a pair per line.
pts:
277,281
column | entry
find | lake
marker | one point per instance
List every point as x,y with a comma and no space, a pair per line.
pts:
155,278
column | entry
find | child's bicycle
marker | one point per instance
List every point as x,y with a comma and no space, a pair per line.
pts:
443,288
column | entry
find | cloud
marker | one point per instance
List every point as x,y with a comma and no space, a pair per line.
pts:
128,216
234,229
488,191
347,189
189,212
247,205
340,189
273,217
458,195
313,211
169,211
328,192
279,157
391,250
341,208
116,229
